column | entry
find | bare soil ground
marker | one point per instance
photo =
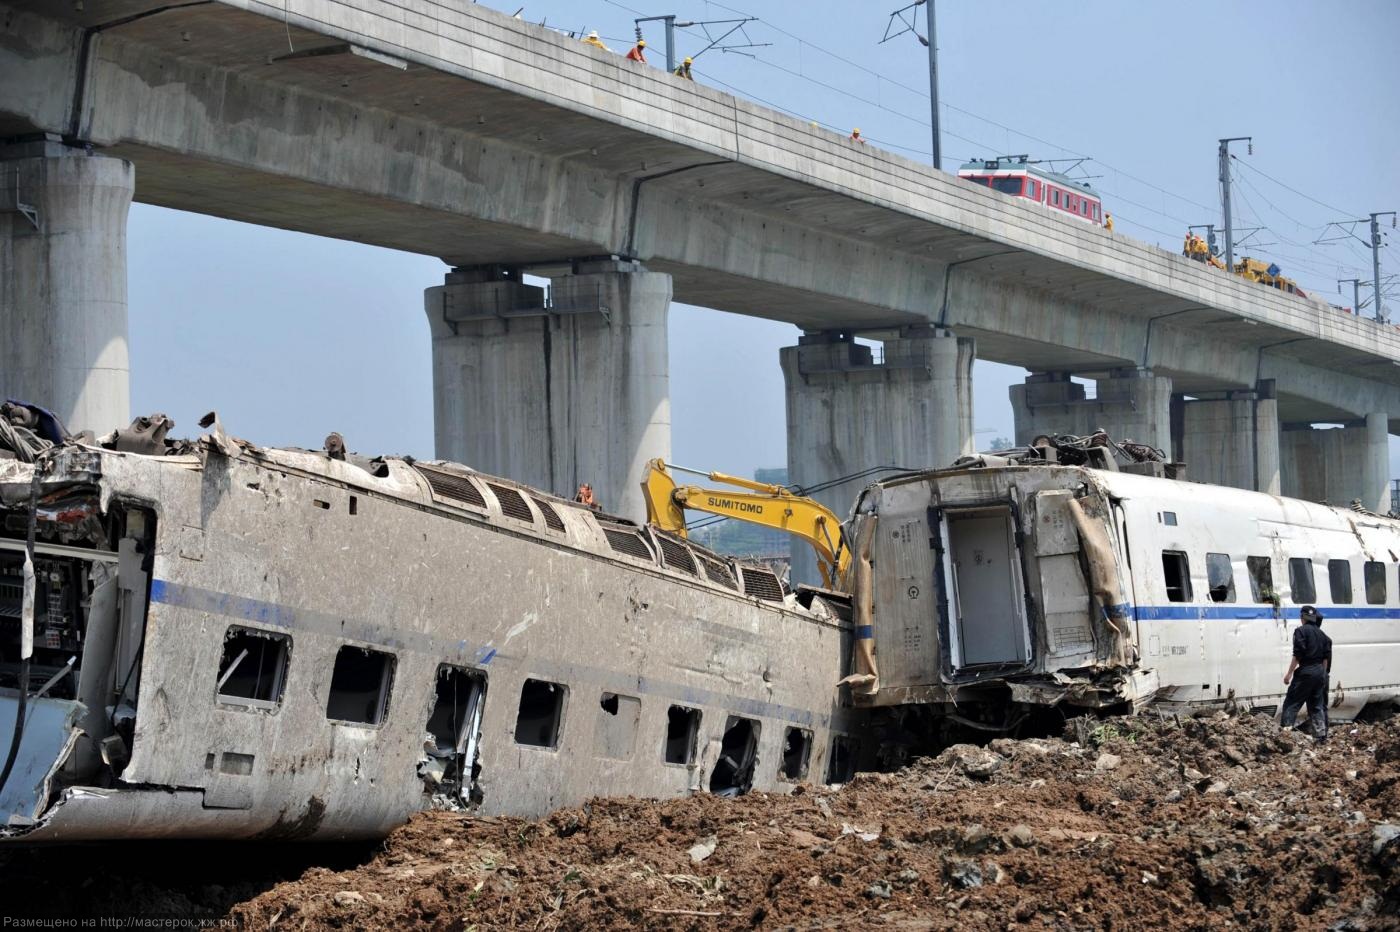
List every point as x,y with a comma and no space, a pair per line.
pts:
1202,823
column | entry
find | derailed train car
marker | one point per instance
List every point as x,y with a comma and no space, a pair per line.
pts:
245,642
1008,585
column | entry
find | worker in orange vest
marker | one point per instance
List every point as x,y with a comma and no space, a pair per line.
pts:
638,52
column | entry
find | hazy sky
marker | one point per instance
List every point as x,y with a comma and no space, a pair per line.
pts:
291,336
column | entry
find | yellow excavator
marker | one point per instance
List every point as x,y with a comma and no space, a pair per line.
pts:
769,505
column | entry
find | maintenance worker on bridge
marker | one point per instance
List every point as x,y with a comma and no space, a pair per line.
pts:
683,69
1308,672
638,52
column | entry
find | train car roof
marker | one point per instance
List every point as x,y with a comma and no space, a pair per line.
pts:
1002,167
1198,496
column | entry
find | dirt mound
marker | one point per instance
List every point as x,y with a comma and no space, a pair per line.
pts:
1192,824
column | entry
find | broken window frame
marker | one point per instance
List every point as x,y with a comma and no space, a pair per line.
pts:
1306,594
742,762
693,717
557,725
1215,564
278,684
386,687
805,760
1183,571
465,749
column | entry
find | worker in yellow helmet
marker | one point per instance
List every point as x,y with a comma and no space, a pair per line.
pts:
638,52
1108,222
856,136
683,69
593,40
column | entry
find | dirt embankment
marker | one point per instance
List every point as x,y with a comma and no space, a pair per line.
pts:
1197,824
1204,823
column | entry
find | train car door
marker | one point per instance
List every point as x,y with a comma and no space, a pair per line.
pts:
1125,555
988,604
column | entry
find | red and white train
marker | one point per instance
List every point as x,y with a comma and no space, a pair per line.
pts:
1019,177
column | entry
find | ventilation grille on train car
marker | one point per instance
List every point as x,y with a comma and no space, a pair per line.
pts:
451,485
512,503
551,517
628,542
718,572
676,556
761,583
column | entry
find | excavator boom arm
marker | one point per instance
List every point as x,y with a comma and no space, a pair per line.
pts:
766,505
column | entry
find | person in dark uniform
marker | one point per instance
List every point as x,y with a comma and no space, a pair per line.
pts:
1307,673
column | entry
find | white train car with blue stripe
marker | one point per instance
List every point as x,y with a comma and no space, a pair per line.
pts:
986,591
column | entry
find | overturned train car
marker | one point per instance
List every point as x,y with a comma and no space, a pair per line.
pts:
261,643
986,593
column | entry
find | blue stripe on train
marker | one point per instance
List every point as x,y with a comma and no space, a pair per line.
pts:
1248,612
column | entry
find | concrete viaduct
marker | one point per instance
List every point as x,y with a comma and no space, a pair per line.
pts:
445,128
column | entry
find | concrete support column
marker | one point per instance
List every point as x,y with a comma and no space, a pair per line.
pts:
1232,439
848,411
1375,476
1338,465
554,393
1132,404
63,328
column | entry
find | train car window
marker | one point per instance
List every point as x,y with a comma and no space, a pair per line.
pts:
617,730
1261,578
682,734
1300,580
540,715
797,748
1176,572
360,686
1008,185
1055,196
738,754
1373,575
1220,577
1033,189
452,763
1339,580
253,668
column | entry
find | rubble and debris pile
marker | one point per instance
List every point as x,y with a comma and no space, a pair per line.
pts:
1187,823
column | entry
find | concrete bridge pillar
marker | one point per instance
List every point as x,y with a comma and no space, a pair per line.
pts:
559,389
63,329
849,410
1131,404
1232,439
1338,465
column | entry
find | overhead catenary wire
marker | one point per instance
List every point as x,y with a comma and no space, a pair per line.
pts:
800,74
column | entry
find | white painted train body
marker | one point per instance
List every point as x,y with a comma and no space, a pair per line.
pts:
1005,586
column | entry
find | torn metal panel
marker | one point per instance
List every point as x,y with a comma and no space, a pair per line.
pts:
49,735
